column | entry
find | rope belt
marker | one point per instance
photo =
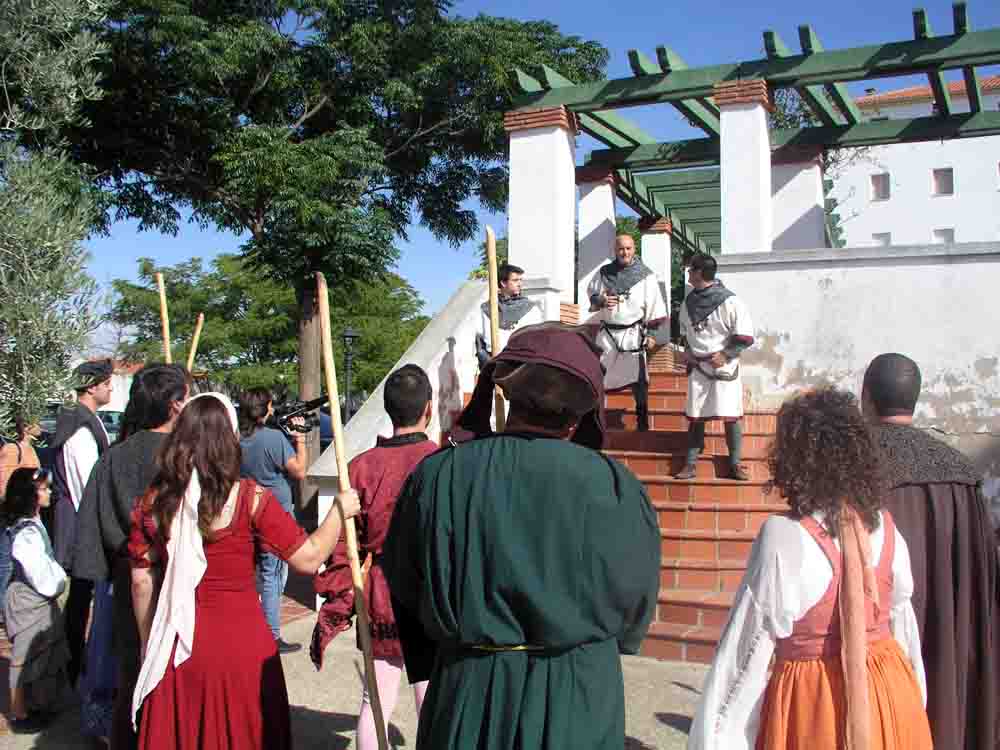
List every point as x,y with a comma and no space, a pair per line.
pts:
713,375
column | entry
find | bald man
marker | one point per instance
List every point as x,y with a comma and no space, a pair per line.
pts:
633,320
933,494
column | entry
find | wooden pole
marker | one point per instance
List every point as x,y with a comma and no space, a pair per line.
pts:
350,532
164,319
194,340
491,262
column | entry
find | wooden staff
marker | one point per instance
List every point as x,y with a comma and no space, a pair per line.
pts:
194,340
350,532
164,319
491,263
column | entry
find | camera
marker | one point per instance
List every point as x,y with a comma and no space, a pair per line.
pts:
307,410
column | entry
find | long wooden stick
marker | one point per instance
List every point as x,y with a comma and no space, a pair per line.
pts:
195,339
491,263
350,532
164,319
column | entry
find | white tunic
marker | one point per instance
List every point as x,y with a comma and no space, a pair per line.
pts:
787,574
534,315
621,347
40,569
708,397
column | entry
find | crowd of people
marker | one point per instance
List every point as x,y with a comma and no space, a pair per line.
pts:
507,573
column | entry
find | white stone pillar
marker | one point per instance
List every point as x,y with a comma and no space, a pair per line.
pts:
656,243
541,209
798,201
596,226
745,161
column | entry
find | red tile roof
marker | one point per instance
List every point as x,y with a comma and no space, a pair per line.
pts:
915,94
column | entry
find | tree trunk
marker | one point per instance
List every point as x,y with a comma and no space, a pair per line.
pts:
309,384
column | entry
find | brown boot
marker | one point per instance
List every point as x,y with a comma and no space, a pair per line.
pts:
739,473
688,472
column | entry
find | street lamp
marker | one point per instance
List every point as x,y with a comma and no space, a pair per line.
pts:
350,336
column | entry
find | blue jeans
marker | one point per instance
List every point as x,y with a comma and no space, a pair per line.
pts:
272,574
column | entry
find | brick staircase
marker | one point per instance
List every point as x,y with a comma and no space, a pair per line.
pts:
707,524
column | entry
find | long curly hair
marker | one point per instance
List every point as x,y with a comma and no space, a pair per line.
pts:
824,457
203,438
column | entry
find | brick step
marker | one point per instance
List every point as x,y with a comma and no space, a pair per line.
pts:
669,379
702,544
708,467
691,643
674,420
707,608
706,490
659,398
699,516
755,445
700,575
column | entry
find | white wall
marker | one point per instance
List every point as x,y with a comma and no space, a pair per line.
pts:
797,203
912,213
821,316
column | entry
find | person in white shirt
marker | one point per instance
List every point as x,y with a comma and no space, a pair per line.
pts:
717,328
80,440
822,648
39,653
514,310
633,320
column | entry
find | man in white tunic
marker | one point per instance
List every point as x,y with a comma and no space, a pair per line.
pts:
718,329
514,308
633,320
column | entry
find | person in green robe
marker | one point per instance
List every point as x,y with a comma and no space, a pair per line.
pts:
522,564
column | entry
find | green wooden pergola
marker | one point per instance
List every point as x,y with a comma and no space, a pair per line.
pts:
680,181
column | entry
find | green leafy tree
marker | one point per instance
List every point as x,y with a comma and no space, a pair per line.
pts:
47,207
320,129
249,336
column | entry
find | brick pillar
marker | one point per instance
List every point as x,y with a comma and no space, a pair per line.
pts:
745,150
597,225
541,211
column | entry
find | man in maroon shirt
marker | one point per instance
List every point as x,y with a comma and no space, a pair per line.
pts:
378,476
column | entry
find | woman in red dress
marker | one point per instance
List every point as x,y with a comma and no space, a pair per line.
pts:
211,675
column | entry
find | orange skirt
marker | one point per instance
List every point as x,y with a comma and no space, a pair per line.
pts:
804,704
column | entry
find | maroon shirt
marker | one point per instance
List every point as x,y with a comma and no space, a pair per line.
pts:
378,476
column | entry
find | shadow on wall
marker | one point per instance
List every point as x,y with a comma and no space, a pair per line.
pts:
449,395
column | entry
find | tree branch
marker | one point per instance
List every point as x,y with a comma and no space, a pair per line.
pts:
421,133
310,112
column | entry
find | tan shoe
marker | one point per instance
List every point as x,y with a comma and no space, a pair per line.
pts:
688,472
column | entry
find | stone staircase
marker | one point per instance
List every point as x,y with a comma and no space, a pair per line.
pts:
707,524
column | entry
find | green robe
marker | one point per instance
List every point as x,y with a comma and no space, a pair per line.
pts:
511,540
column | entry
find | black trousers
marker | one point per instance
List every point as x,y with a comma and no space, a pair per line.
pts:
640,391
81,594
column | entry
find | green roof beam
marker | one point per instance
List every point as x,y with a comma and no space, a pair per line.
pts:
976,48
526,83
961,16
702,197
693,109
922,32
705,151
688,215
683,179
814,96
838,92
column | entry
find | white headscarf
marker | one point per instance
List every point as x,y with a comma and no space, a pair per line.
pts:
186,564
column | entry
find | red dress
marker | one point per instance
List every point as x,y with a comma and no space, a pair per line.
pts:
231,692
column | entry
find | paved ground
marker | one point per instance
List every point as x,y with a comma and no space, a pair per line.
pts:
660,698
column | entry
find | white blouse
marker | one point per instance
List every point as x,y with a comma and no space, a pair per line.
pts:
787,574
41,571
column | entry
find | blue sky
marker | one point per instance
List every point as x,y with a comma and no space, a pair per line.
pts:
700,33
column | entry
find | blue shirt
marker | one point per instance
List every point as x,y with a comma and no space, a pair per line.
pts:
265,454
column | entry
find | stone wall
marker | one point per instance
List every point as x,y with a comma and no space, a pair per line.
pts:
822,315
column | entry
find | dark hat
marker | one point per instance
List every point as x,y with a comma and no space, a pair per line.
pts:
569,349
91,373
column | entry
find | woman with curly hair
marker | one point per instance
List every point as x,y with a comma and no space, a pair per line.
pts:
827,594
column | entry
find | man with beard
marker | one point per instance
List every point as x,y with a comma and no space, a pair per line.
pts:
633,321
935,498
717,327
521,564
514,309
119,478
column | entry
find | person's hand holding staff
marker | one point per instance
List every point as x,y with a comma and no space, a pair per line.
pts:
350,532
